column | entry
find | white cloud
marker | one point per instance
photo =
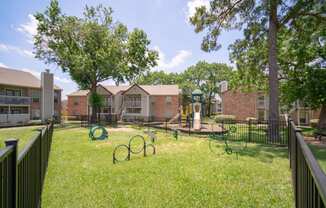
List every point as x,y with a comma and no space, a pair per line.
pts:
29,29
3,65
177,60
192,5
20,51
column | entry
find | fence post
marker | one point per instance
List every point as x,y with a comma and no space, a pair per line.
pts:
289,139
249,132
14,186
296,166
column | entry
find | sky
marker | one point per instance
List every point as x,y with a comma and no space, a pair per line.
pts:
165,22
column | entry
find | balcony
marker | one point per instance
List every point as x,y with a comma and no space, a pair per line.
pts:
14,100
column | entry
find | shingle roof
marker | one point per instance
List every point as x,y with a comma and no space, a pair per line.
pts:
161,89
13,77
79,93
151,89
115,89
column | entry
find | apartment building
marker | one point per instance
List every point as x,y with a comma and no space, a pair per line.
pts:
24,97
135,102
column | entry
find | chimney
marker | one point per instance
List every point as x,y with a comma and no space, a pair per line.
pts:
47,95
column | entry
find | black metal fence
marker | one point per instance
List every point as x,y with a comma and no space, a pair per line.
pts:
102,119
22,176
264,132
309,180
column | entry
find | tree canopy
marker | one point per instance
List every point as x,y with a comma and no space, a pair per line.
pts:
93,48
262,21
204,76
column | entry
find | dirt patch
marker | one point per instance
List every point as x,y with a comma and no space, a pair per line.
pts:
312,140
125,129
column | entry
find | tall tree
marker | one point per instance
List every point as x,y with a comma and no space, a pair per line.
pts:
92,48
157,78
302,60
270,16
206,77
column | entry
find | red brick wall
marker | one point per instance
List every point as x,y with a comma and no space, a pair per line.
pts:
77,110
241,105
160,109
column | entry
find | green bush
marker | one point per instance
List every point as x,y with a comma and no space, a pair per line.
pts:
314,123
227,118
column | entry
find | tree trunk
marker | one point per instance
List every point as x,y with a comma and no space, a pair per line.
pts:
322,117
209,105
94,109
273,73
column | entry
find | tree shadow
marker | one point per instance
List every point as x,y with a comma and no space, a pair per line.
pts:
265,153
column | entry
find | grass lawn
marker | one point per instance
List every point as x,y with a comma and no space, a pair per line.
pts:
183,173
320,154
24,134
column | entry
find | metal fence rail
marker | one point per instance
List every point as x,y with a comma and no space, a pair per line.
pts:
22,177
309,180
249,130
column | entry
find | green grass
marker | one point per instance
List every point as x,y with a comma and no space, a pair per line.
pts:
183,173
24,134
320,154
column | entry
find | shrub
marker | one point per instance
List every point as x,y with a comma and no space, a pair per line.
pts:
314,123
227,118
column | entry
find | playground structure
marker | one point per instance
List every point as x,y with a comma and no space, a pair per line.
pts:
94,131
123,152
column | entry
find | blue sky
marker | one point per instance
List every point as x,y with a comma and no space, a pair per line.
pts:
164,21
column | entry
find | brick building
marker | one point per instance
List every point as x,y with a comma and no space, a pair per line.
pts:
23,97
135,102
256,104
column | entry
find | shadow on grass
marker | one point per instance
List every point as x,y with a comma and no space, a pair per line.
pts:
265,153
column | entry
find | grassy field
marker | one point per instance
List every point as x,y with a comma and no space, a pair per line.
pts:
320,154
24,134
183,173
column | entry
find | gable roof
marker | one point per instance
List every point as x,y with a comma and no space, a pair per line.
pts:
13,77
149,89
116,89
136,85
161,89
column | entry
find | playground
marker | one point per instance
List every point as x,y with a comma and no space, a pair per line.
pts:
182,173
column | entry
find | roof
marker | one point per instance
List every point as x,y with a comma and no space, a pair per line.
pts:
79,93
116,89
150,89
161,89
13,77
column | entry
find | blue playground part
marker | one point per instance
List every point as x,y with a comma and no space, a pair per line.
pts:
104,135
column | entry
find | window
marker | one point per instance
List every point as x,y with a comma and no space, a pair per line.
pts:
261,101
13,92
36,96
76,101
19,110
168,99
2,91
4,109
261,115
133,103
